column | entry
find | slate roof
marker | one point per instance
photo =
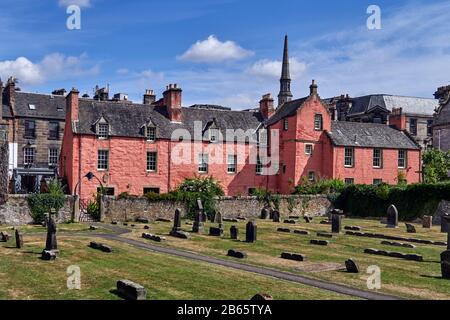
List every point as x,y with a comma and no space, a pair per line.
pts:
6,112
286,110
410,105
46,106
127,119
369,135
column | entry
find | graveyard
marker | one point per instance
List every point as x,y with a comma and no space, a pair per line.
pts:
335,250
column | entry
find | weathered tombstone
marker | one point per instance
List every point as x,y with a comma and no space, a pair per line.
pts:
262,296
392,217
351,266
265,214
19,240
198,224
234,233
130,290
445,264
336,223
251,229
427,222
215,232
447,221
410,228
236,254
444,224
276,216
176,229
48,255
219,219
5,236
308,219
51,243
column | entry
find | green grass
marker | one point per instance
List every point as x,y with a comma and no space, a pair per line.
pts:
62,229
23,275
409,279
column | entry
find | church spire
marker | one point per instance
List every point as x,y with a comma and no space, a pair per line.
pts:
285,81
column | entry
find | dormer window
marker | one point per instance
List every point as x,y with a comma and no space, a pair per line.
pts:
103,130
213,135
150,133
318,122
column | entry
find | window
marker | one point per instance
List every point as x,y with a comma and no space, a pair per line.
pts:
103,130
318,122
53,130
152,161
151,190
30,129
232,161
203,163
312,176
151,133
286,124
106,191
29,156
32,106
377,181
413,126
349,160
259,166
349,181
262,137
377,158
52,157
430,128
308,149
402,159
103,159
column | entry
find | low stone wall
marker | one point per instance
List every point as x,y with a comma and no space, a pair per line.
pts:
17,212
248,207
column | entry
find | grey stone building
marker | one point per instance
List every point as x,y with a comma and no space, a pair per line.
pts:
441,127
412,114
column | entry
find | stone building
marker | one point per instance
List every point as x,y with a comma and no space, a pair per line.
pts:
36,124
4,153
415,115
441,128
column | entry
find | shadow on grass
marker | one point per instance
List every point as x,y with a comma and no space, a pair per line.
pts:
432,277
118,294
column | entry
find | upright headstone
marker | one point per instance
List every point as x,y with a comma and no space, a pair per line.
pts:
250,235
336,223
427,222
177,221
445,264
19,240
351,266
51,243
234,233
410,228
265,214
276,216
392,217
198,219
444,225
219,220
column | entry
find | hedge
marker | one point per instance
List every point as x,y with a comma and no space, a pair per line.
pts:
412,201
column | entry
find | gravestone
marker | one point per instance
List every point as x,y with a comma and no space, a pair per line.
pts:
176,229
19,240
427,222
51,243
215,232
308,219
236,254
130,290
445,264
351,266
251,229
265,214
197,227
447,220
234,233
336,223
293,256
444,224
392,217
276,216
5,236
219,219
48,255
410,228
261,297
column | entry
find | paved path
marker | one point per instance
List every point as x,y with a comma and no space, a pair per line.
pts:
230,264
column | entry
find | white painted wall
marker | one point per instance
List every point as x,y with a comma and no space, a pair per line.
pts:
13,149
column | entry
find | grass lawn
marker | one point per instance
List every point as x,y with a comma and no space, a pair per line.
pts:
23,275
409,279
62,229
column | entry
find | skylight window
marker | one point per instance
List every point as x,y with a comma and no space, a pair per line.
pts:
32,106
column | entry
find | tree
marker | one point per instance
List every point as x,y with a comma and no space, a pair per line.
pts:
436,165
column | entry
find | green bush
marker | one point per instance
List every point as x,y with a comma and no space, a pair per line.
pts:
412,201
93,209
323,186
42,203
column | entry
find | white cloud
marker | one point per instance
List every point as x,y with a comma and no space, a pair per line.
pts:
80,3
272,68
54,66
212,50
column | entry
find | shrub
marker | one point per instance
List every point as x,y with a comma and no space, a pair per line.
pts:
93,209
322,186
42,203
436,165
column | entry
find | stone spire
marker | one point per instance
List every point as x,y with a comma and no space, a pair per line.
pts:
285,81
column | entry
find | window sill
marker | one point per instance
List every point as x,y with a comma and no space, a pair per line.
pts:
152,171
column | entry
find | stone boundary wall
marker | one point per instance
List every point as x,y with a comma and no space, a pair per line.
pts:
17,212
232,207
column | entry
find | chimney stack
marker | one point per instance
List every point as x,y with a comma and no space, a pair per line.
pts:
10,94
172,101
149,97
266,106
59,92
313,88
72,106
101,94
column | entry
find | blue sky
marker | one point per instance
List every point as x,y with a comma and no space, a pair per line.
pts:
226,51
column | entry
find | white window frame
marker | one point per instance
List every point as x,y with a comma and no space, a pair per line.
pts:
403,159
262,137
53,156
349,181
213,135
259,166
318,122
102,133
307,146
347,156
203,166
377,161
232,164
311,176
152,164
101,159
150,133
29,153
